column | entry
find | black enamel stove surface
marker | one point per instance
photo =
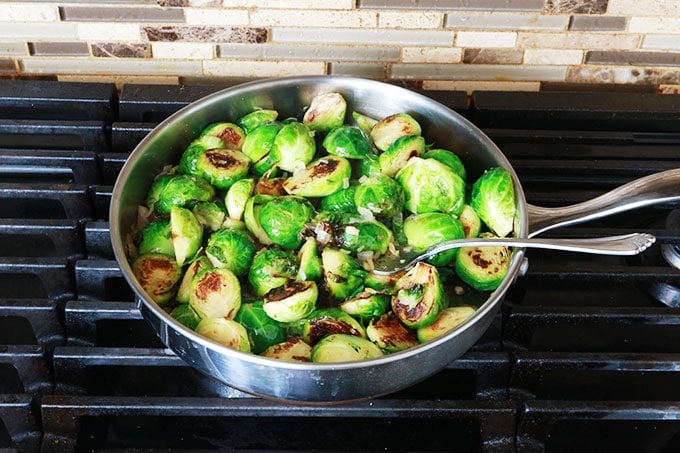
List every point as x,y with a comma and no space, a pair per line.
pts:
583,356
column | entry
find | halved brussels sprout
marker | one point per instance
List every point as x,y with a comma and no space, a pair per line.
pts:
284,218
431,228
271,268
186,315
293,350
390,128
237,196
365,236
256,118
327,321
187,234
483,268
263,331
390,334
293,147
364,122
291,302
399,152
380,195
188,162
267,185
192,270
340,201
493,199
232,249
349,142
448,319
431,186
226,332
472,224
210,214
156,238
215,293
384,283
177,190
368,166
158,275
448,158
251,217
231,134
222,167
368,304
310,263
320,178
343,275
344,348
419,296
258,143
325,112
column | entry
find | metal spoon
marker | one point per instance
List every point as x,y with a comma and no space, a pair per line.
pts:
626,244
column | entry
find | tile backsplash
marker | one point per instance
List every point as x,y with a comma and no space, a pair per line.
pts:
437,44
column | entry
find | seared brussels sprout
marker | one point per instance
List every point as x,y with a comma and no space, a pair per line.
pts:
419,296
283,219
156,238
344,348
472,224
325,112
215,293
231,134
237,196
232,249
222,167
448,158
483,268
399,152
263,331
210,214
431,186
367,236
258,143
343,275
187,234
322,177
293,147
193,269
309,262
293,350
425,230
448,319
291,302
390,128
390,334
226,332
186,315
158,275
349,142
340,201
380,195
256,118
327,321
383,283
493,199
368,304
177,190
268,185
188,163
271,268
363,122
251,217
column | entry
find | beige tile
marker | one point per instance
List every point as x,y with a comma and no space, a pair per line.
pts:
476,85
191,51
504,21
485,39
477,72
301,52
119,80
661,42
577,40
476,5
13,48
362,36
407,19
110,66
251,68
431,54
615,74
13,12
313,18
291,4
366,70
216,16
7,66
553,56
97,31
658,8
60,31
669,89
654,24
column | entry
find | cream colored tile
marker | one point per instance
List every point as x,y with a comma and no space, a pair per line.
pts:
313,18
110,66
407,19
119,80
361,36
250,68
485,39
189,50
108,32
553,56
12,12
476,85
501,21
599,41
431,54
60,31
661,42
13,48
493,72
216,16
654,24
658,8
291,4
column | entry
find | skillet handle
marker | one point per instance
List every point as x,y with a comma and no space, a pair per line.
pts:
656,188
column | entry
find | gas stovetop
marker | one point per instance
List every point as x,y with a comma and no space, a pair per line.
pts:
583,355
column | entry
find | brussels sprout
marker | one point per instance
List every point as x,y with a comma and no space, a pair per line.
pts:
283,219
251,217
431,186
193,269
325,112
425,230
250,121
399,152
344,348
231,134
177,190
226,332
322,177
327,321
293,350
310,263
210,214
349,142
340,201
263,331
232,249
158,275
419,296
365,236
222,167
390,128
291,302
448,319
258,143
343,275
390,334
215,293
384,283
397,224
189,160
380,195
363,122
156,238
448,158
368,166
271,268
472,224
368,304
237,196
483,268
186,315
493,199
187,234
293,147
266,185
265,167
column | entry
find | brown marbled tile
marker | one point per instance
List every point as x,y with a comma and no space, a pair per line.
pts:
243,35
598,23
467,5
121,50
7,65
575,6
609,74
493,56
120,14
633,58
39,48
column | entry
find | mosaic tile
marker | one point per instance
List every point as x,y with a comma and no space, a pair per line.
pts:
367,70
635,58
120,14
13,48
477,72
500,21
577,41
661,42
59,48
493,56
7,65
105,31
113,66
191,50
480,5
598,23
313,18
28,31
575,6
475,85
363,36
119,50
120,80
553,56
28,13
249,68
407,19
609,74
212,16
659,8
486,39
292,4
654,24
206,34
309,52
431,54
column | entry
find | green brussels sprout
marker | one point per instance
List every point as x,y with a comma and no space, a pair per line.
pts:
419,296
493,199
447,320
448,158
158,275
156,238
210,214
188,162
268,185
215,293
292,350
380,195
431,186
325,112
263,331
251,217
222,167
349,142
397,225
343,275
384,283
367,304
340,201
265,167
483,268
250,121
363,122
177,190
327,321
390,334
365,236
231,134
368,166
344,348
432,228
258,143
293,147
232,249
284,218
472,224
310,263
225,331
271,268
320,178
291,302
186,315
192,270
390,128
187,234
237,196
399,152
